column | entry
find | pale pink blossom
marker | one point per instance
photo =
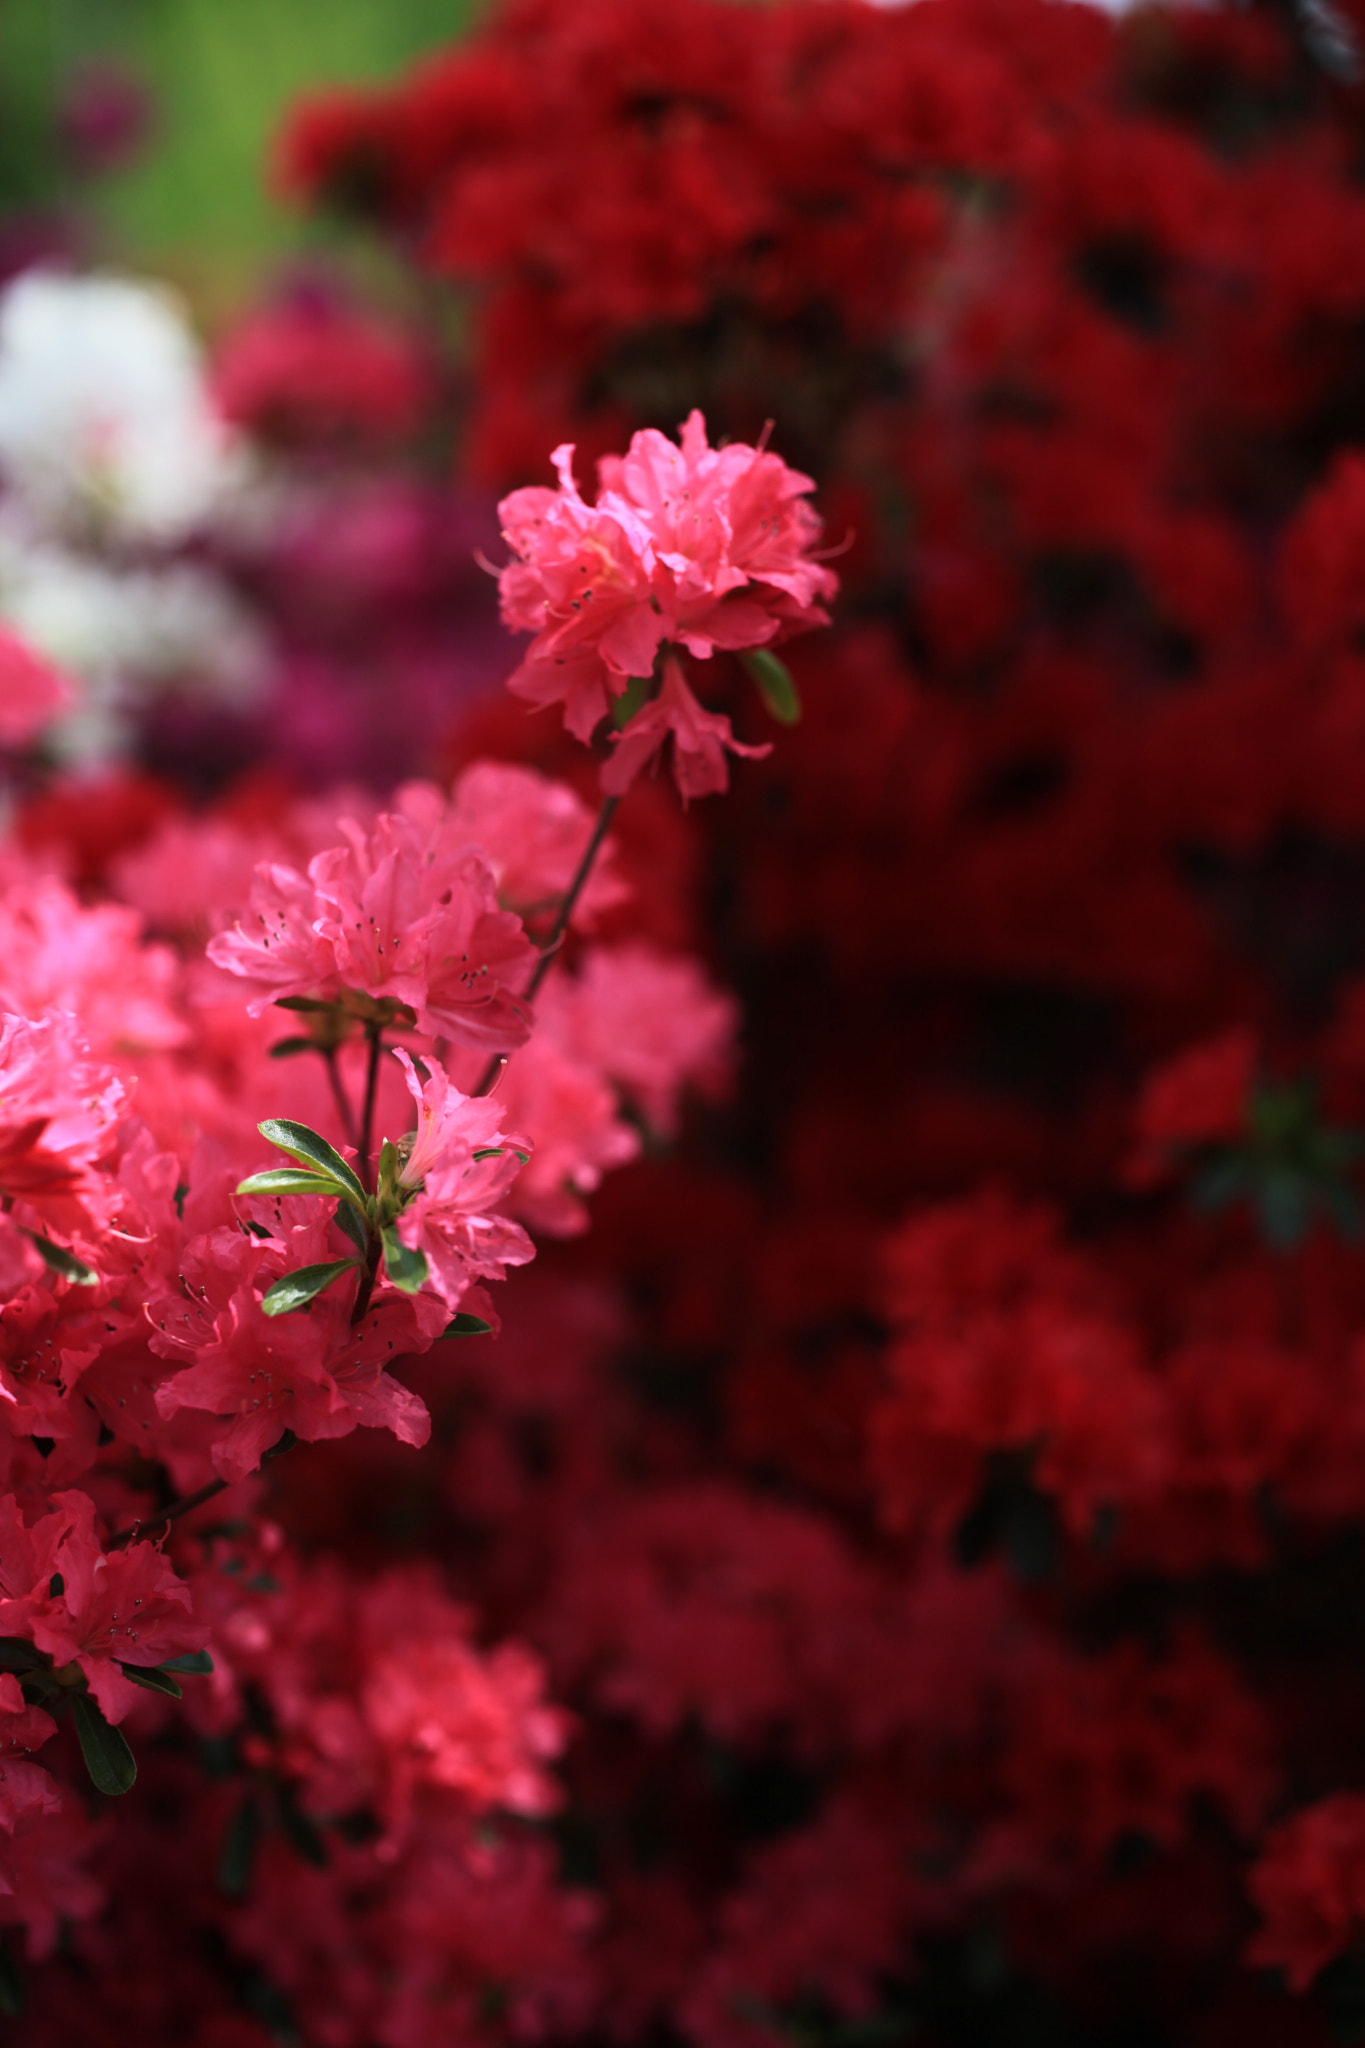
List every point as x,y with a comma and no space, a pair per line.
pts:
651,1023
534,832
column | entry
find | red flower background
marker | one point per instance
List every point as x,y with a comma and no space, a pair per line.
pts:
898,1572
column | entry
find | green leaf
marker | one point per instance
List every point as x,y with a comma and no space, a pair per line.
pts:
62,1261
773,680
290,1048
290,1180
489,1152
110,1762
347,1220
406,1269
239,1851
296,1290
147,1676
197,1662
306,1145
390,1164
306,1004
464,1325
630,701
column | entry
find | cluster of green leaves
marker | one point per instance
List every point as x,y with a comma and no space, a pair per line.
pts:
108,1758
369,1220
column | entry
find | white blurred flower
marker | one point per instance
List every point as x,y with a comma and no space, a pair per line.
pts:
106,423
127,635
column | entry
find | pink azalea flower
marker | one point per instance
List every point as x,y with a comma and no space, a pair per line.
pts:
533,832
312,1372
651,1023
25,1788
123,1607
453,1216
687,545
58,1113
574,1119
701,740
407,910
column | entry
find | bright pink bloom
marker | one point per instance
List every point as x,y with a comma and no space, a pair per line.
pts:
407,910
58,1113
687,545
68,1597
453,1217
701,740
310,1371
57,953
32,692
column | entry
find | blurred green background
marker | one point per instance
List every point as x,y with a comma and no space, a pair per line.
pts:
196,205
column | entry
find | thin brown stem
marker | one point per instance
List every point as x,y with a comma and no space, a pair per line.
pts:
340,1097
366,1144
555,937
177,1508
368,1276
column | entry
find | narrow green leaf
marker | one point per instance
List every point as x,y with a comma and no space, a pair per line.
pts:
464,1325
347,1220
110,1762
489,1152
152,1680
239,1851
296,1290
290,1048
291,1180
312,1150
406,1269
59,1260
773,680
198,1662
306,1004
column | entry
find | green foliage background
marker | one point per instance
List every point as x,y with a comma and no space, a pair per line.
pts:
196,207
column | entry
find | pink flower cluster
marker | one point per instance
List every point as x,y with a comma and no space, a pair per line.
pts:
182,1295
687,547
